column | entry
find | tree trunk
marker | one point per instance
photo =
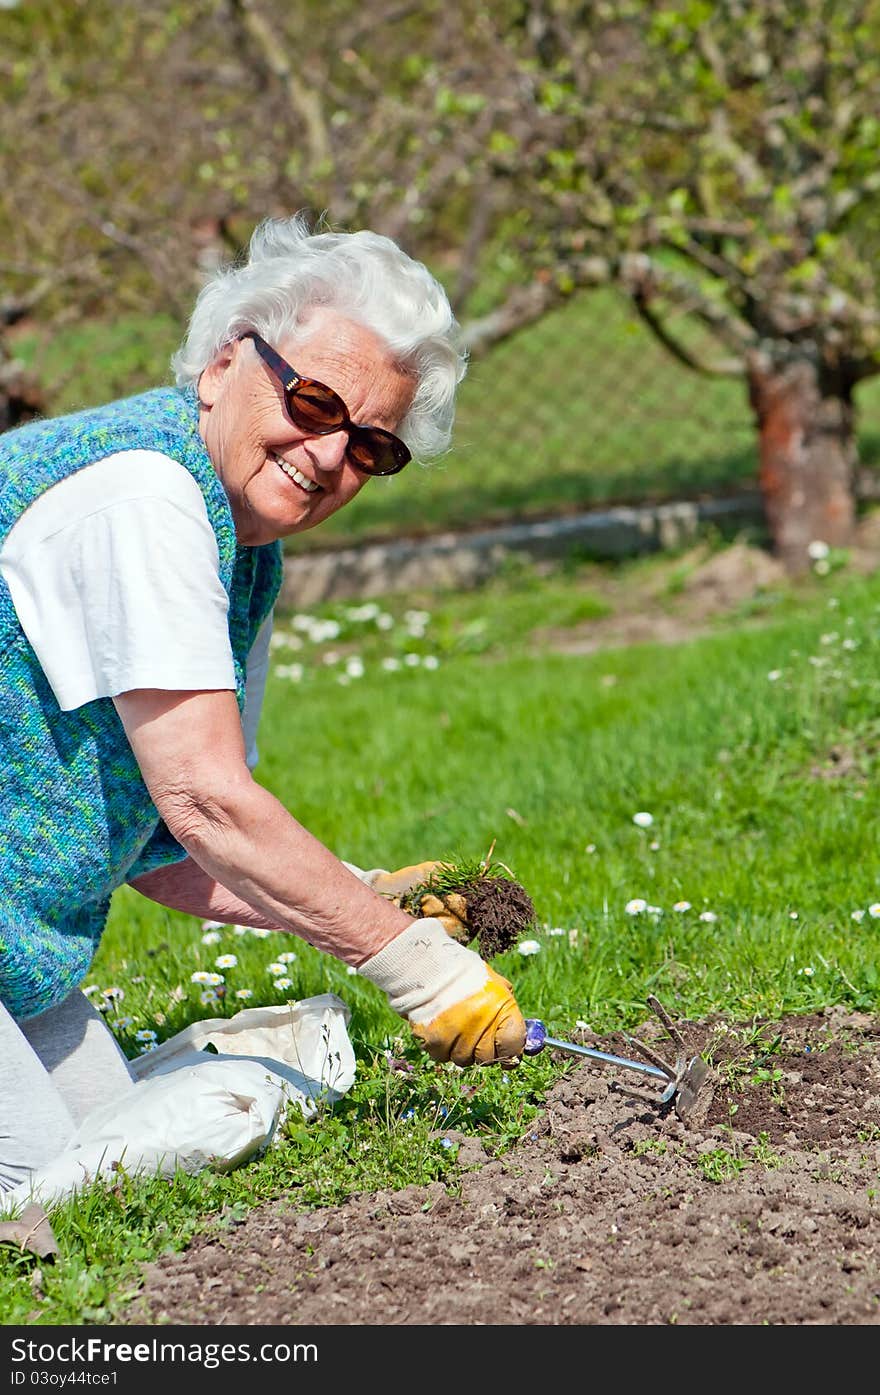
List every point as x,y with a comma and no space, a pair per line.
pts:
808,456
20,398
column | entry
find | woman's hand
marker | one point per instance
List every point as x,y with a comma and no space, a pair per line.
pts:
450,909
457,1005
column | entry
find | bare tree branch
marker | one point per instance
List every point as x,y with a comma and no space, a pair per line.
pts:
526,304
727,368
305,100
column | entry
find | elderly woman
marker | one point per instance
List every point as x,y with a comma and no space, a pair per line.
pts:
140,560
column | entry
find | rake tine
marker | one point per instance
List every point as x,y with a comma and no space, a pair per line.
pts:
644,1096
652,1056
657,1007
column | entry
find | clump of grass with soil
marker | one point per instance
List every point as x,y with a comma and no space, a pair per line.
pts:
493,908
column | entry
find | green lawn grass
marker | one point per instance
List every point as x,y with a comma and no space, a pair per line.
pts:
578,410
442,731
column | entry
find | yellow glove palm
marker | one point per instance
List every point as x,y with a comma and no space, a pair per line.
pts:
486,1027
450,910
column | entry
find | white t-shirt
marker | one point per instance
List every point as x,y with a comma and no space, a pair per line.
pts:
114,576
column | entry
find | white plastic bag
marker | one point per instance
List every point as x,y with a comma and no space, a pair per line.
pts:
190,1109
306,1043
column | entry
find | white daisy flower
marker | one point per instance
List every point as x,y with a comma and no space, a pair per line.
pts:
682,906
529,947
260,932
211,937
145,1034
275,968
213,924
282,984
244,993
874,910
636,906
225,961
857,915
817,550
774,674
708,916
643,819
287,957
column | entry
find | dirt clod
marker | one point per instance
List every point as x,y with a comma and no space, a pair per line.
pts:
499,911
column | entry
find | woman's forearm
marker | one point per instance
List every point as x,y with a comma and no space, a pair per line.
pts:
191,755
255,856
185,886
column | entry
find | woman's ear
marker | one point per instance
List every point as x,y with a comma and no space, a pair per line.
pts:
212,377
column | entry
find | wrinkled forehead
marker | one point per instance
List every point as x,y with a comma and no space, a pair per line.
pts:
353,359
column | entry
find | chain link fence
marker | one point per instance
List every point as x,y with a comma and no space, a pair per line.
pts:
580,410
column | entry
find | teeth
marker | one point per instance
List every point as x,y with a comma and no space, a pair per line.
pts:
308,485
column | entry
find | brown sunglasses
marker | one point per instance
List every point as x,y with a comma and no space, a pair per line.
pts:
319,411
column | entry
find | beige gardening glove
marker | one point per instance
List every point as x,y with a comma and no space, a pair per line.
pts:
458,1007
450,910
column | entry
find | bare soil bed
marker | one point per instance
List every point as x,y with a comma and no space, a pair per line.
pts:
761,1209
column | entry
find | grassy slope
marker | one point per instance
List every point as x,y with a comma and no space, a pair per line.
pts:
546,756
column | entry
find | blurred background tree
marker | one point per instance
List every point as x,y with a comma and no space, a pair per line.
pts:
716,163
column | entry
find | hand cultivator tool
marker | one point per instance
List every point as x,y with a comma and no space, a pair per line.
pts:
682,1082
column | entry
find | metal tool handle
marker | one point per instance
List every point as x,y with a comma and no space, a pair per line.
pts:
537,1039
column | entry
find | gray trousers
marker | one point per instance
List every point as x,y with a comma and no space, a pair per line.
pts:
54,1069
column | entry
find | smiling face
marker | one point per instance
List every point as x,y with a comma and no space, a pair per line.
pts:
278,479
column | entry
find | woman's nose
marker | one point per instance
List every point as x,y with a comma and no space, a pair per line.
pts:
328,452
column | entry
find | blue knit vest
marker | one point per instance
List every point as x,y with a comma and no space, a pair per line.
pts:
76,819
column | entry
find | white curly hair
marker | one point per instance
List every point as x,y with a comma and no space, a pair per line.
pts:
365,277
